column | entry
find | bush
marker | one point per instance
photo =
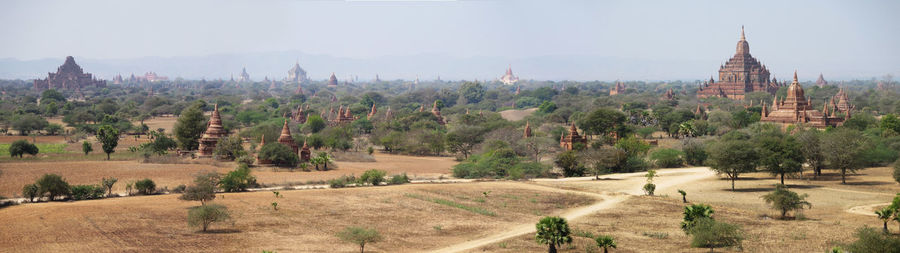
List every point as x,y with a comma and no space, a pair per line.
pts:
21,147
179,189
667,158
238,180
650,189
634,164
372,177
246,160
52,185
230,148
399,179
785,200
498,163
279,154
341,182
708,233
145,186
897,172
82,192
204,188
870,240
86,147
30,191
525,170
203,216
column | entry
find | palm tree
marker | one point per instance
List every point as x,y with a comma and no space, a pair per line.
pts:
885,215
605,242
693,213
553,231
683,195
324,159
315,161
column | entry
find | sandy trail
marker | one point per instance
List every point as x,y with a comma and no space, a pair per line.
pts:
867,210
608,201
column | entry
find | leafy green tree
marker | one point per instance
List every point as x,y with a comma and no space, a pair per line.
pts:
238,180
108,184
315,123
693,213
844,147
190,127
547,107
633,147
891,122
145,186
204,188
553,231
53,129
603,121
568,161
372,177
360,236
28,123
204,215
694,152
708,233
473,92
109,138
52,185
780,154
667,158
87,147
279,154
811,147
230,148
732,158
785,200
30,191
605,242
21,147
463,139
52,95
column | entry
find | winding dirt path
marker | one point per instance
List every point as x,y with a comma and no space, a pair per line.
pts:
608,200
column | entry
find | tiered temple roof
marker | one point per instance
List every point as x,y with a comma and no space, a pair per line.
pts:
437,113
796,109
821,81
68,76
568,141
619,88
740,75
296,74
841,102
509,78
286,138
214,131
527,129
300,115
332,81
244,77
304,152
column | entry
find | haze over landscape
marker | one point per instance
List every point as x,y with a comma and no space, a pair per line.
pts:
581,40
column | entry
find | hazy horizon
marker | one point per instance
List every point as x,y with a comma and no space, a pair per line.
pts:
586,40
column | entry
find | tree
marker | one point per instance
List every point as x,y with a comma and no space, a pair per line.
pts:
472,92
552,231
87,147
780,154
30,191
633,147
463,139
811,148
732,158
693,213
600,160
373,177
204,215
694,152
712,234
109,138
885,215
897,172
52,186
667,158
650,188
279,154
891,122
204,188
230,148
785,200
315,123
27,123
869,240
359,236
844,147
605,242
52,95
190,127
568,161
238,180
602,121
145,186
53,129
108,184
21,147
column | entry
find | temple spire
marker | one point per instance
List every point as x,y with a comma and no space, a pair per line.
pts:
795,76
742,33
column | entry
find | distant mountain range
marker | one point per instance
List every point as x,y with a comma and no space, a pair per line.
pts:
426,67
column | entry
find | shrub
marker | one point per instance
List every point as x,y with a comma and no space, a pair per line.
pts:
708,233
238,180
279,154
179,189
498,163
568,161
524,170
372,177
82,192
341,182
108,184
785,200
634,163
86,147
897,172
650,189
204,188
52,185
869,240
203,216
246,160
399,179
230,148
21,147
694,152
693,213
30,191
145,186
667,158
359,236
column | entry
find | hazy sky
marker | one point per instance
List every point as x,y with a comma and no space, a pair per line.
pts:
844,37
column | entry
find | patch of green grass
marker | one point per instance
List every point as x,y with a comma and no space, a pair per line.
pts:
43,148
450,203
585,234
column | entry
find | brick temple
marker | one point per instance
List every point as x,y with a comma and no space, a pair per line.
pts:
796,109
740,75
68,76
214,132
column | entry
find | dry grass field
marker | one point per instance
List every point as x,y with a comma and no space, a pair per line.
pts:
407,216
17,174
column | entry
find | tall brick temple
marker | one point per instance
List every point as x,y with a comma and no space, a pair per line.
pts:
68,76
740,75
